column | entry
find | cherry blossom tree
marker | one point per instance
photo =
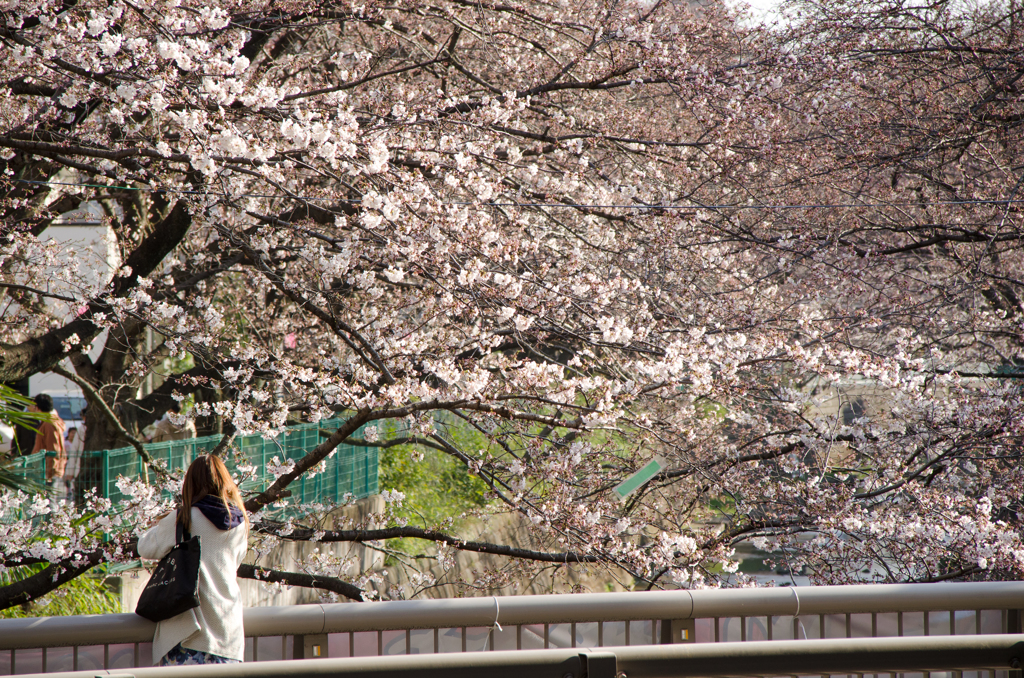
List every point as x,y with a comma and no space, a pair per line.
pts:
593,233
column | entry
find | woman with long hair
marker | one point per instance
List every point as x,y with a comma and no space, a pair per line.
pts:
211,633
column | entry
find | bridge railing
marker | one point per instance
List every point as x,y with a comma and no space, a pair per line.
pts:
952,656
519,623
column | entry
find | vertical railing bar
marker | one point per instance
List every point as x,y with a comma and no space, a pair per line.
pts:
849,625
874,624
44,659
572,632
768,628
821,626
74,658
899,624
743,629
927,622
255,648
463,638
977,622
351,643
627,632
718,634
380,643
654,632
408,641
600,634
437,642
13,652
519,637
136,655
546,635
106,655
952,622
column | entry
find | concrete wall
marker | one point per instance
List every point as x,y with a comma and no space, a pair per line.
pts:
289,557
480,574
471,574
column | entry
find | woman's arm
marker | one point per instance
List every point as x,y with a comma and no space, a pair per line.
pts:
159,539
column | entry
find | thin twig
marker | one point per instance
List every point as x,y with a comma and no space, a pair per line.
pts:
95,397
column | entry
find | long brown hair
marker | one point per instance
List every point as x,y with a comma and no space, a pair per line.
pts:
205,476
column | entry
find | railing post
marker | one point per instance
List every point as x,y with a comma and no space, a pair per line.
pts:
678,631
313,646
105,474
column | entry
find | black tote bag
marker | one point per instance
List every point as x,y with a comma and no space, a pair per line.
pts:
173,587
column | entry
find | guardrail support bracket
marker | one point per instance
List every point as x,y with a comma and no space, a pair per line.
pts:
678,631
598,664
313,646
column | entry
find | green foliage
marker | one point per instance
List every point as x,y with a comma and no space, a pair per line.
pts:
437,487
178,364
13,411
88,594
14,406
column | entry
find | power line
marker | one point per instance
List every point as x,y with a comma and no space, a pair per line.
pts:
695,207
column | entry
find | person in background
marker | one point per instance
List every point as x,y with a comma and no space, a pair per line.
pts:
166,429
212,510
74,445
24,440
50,437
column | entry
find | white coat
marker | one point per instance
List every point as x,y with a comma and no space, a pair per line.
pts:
215,626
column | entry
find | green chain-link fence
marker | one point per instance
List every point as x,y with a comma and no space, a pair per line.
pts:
349,471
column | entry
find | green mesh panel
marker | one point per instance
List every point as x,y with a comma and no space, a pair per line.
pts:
348,471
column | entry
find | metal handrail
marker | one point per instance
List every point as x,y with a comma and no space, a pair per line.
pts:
302,620
772,658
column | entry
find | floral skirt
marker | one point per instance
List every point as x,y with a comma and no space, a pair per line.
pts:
183,656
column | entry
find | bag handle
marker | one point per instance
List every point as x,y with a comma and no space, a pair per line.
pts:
180,533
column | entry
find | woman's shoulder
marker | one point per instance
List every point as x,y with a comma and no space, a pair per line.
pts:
204,527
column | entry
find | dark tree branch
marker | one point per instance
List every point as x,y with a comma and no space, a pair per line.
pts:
434,536
39,354
50,578
333,584
319,453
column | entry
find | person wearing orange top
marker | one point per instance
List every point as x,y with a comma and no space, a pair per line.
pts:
50,437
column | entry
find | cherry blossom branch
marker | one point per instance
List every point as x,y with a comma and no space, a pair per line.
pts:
332,584
50,578
304,534
362,81
25,288
318,454
341,328
477,406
